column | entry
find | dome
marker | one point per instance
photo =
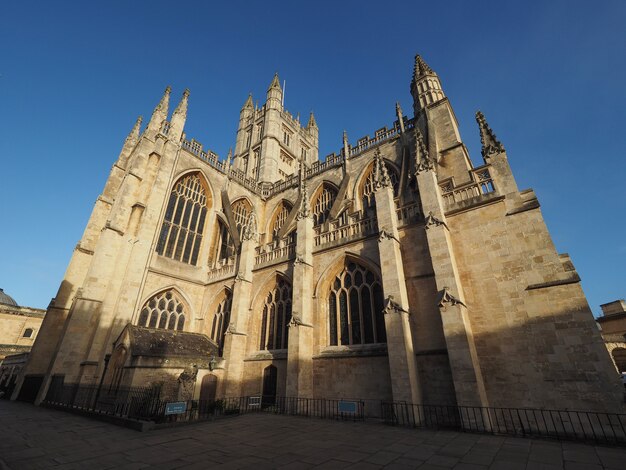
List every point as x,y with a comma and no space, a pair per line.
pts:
7,299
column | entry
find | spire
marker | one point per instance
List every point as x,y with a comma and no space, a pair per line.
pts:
179,117
423,162
229,157
160,112
490,144
381,175
248,104
346,145
312,123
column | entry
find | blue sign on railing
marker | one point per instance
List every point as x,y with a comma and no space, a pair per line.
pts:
175,408
347,407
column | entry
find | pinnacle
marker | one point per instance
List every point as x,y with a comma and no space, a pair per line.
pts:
312,122
490,144
248,104
420,68
275,82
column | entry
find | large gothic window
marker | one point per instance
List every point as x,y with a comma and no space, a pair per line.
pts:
225,245
181,233
276,316
369,186
221,319
323,203
165,310
355,307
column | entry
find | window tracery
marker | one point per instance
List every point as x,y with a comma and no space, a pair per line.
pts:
355,307
183,224
165,310
276,315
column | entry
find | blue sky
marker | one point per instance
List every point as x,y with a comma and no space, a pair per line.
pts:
549,76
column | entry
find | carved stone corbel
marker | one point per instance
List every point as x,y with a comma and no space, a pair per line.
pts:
232,330
430,220
296,321
385,234
393,307
445,297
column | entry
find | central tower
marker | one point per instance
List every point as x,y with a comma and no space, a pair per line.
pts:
270,141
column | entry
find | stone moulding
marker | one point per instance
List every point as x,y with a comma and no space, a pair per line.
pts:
557,282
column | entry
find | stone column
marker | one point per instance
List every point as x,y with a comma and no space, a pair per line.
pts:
405,383
300,350
236,335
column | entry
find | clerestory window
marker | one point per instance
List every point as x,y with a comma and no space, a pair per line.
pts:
369,187
323,204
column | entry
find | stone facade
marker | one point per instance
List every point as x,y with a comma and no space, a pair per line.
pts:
394,269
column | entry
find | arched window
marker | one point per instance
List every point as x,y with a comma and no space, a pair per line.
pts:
280,218
355,307
323,204
276,316
221,319
241,211
369,186
165,310
181,233
28,333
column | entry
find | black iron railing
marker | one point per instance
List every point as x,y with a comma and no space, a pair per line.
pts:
134,402
197,410
586,426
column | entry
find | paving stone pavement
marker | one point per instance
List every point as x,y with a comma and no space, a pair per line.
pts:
33,438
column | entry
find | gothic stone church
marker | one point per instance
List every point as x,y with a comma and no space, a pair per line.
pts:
394,269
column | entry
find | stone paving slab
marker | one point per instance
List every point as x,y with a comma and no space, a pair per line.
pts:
40,438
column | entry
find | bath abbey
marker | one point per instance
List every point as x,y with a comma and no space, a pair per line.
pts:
397,268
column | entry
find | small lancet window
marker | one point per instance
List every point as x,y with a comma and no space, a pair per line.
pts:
181,233
165,310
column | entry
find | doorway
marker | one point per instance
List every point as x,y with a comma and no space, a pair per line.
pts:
270,379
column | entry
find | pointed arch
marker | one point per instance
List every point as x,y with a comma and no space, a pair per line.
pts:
366,185
185,215
322,201
165,309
